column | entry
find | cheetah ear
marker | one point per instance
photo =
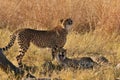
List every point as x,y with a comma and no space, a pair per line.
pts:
61,21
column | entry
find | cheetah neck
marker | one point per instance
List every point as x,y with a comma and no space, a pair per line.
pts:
68,27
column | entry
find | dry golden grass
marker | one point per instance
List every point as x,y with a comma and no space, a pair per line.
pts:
101,15
77,46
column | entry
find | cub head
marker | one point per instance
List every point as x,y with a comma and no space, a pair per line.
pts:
66,23
60,53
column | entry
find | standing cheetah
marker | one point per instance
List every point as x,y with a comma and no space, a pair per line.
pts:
40,38
82,63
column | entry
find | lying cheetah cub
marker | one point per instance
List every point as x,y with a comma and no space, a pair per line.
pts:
82,63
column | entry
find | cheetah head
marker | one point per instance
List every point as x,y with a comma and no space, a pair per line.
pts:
66,23
60,53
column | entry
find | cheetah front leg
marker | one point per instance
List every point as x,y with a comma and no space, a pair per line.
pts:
53,51
53,55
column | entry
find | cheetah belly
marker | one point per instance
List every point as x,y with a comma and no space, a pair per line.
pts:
41,43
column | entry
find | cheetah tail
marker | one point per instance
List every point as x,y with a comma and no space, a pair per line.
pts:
10,44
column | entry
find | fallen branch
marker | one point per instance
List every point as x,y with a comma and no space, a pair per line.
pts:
6,65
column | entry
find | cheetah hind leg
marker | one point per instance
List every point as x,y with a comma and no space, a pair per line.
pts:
20,57
20,64
19,60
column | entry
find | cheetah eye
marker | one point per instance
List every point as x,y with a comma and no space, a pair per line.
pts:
63,53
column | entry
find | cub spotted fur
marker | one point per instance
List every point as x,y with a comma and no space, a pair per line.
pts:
82,63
